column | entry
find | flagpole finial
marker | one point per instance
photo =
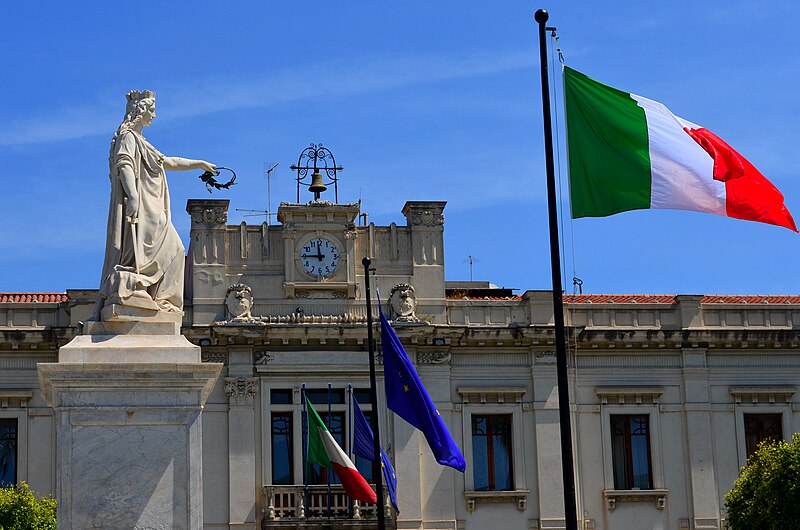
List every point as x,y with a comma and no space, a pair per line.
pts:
541,16
366,262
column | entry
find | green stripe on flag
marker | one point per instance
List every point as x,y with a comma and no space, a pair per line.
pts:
609,156
316,449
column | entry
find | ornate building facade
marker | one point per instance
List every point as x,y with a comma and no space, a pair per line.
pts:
669,393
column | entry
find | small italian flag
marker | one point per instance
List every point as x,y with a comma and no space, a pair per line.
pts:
627,152
324,451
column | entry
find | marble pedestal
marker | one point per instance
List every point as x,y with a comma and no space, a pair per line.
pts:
128,428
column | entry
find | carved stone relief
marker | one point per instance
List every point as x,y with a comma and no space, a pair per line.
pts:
212,278
427,218
239,302
262,358
210,216
213,356
240,391
403,302
433,357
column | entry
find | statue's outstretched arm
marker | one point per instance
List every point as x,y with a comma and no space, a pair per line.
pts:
176,163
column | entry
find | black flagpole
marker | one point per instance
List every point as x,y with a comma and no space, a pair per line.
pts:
377,473
567,466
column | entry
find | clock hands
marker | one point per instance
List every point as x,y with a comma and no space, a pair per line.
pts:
319,255
327,262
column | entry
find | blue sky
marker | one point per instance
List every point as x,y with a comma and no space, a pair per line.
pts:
418,100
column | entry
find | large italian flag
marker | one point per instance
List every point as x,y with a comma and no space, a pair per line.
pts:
324,451
627,152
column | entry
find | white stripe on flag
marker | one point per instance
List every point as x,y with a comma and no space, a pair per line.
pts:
682,173
335,452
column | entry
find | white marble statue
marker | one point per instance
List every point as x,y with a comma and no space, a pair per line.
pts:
144,258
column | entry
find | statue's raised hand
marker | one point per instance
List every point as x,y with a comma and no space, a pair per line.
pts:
206,166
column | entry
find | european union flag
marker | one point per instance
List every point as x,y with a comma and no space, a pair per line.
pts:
407,397
363,447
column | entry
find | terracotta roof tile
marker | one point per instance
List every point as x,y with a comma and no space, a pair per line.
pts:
23,298
751,299
490,298
27,298
619,298
671,299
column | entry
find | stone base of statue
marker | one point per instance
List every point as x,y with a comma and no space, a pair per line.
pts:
128,396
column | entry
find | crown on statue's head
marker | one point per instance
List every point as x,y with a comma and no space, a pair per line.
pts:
137,95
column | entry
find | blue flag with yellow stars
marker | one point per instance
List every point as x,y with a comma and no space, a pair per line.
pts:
407,397
363,447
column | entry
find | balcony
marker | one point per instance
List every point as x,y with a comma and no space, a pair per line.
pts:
289,507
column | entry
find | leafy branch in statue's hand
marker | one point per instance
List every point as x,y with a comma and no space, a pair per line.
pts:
211,182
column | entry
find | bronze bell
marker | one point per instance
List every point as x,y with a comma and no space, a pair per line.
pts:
317,186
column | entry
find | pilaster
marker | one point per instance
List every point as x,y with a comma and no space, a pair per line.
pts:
426,221
704,493
437,482
206,285
241,389
550,484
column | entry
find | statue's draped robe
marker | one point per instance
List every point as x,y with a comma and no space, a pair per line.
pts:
159,280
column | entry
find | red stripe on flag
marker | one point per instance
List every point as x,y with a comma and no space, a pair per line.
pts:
748,194
354,484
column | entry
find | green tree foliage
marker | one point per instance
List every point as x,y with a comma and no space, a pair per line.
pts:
766,496
21,510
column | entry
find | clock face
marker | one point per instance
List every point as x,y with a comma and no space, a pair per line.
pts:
319,257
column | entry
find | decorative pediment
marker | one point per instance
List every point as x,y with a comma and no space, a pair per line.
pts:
15,398
762,394
491,395
629,395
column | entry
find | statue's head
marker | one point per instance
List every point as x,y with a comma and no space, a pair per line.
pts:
141,107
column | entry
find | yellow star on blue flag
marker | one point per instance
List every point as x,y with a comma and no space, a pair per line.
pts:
407,397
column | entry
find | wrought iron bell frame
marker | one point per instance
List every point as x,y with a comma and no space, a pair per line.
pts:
317,159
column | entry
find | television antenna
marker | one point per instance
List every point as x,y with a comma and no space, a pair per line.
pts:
268,212
471,260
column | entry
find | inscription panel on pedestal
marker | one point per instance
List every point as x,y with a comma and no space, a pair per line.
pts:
138,473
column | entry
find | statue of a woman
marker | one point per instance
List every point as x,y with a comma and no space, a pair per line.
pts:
144,258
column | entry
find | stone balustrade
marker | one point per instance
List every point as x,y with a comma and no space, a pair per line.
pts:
290,507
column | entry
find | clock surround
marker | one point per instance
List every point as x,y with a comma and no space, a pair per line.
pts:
319,256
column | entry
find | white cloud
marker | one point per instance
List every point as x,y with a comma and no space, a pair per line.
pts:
363,75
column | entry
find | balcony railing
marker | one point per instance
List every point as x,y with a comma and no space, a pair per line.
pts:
289,505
